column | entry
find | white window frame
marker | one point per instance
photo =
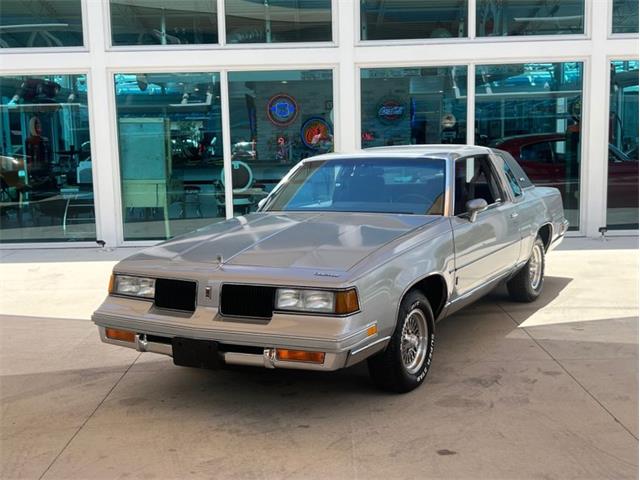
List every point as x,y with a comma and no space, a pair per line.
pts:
605,177
346,56
226,131
472,33
222,35
470,110
471,103
85,47
93,152
610,33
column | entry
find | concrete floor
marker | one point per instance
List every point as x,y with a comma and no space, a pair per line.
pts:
546,390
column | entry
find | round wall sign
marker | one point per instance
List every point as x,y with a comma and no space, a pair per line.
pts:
314,131
448,120
282,110
390,110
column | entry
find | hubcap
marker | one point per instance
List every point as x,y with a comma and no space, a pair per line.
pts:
413,342
535,267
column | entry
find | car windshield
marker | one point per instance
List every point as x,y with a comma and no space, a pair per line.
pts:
371,185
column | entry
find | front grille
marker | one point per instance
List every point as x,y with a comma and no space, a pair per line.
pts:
247,301
175,295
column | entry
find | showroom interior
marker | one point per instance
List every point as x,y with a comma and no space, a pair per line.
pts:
122,119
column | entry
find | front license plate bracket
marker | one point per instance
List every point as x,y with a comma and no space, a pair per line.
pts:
189,352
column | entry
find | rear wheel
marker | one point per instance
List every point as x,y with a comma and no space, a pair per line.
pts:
527,285
404,364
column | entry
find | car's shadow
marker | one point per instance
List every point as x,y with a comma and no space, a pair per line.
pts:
243,384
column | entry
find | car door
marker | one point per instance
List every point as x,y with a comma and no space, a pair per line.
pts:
488,247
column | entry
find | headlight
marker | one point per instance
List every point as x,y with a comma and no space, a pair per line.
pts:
133,286
321,301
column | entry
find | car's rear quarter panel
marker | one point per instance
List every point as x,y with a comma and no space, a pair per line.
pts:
541,206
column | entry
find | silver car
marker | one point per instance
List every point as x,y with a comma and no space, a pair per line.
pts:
351,257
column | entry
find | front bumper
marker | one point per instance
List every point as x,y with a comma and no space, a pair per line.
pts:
344,341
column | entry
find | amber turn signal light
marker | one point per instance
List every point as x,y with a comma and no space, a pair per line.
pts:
122,335
299,356
112,283
347,302
372,330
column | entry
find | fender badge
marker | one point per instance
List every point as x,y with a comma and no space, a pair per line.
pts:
322,274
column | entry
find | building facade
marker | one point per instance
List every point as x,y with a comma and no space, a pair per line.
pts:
122,120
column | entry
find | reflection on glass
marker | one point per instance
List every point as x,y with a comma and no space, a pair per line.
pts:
170,146
277,119
622,179
46,182
163,22
412,19
529,17
534,112
413,105
379,185
276,21
40,23
625,16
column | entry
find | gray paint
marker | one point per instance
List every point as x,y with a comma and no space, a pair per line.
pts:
382,255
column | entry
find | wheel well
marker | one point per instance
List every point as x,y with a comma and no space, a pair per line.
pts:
545,235
434,288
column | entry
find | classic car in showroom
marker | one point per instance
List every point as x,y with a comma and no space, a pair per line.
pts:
351,257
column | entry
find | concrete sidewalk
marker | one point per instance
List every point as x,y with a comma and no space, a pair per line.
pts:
547,390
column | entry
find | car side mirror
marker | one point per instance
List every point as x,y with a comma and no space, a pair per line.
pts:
261,203
474,207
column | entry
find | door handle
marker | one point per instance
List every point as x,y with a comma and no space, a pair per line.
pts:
514,214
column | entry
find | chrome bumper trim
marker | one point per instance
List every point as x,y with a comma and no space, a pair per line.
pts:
362,349
359,354
332,361
143,345
283,339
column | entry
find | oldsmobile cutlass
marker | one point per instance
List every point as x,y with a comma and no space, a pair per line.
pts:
351,257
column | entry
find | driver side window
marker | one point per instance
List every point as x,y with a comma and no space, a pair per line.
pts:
475,178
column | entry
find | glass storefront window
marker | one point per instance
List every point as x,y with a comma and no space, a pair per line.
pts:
413,105
40,23
46,182
278,21
412,19
622,178
277,119
625,16
163,22
170,147
529,17
534,112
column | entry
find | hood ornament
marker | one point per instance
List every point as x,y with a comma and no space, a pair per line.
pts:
220,260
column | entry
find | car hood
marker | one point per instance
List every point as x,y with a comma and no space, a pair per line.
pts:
331,241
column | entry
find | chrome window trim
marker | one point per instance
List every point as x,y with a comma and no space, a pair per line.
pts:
490,206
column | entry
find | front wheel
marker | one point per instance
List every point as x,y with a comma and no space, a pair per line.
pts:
404,364
527,284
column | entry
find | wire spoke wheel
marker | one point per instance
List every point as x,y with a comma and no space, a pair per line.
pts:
535,267
413,341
